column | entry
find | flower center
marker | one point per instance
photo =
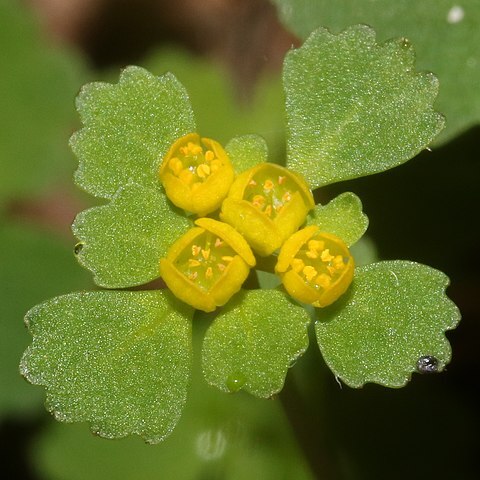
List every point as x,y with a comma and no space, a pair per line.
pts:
193,165
269,193
319,262
204,261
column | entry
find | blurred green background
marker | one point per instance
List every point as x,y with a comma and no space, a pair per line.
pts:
228,53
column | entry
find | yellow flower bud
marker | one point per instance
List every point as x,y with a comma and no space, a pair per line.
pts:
196,174
315,267
207,265
266,204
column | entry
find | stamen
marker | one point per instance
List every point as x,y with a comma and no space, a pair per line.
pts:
206,253
196,249
221,267
218,242
227,258
252,183
203,170
192,276
286,197
312,253
175,164
326,256
323,280
193,263
338,262
316,245
258,201
209,155
268,210
281,180
268,185
297,265
309,273
209,272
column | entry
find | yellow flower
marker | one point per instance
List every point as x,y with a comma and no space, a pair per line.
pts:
315,267
266,204
207,265
196,174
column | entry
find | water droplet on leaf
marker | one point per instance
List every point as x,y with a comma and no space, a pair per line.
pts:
78,248
427,364
235,382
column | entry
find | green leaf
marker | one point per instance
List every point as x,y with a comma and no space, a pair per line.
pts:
445,34
394,313
247,151
216,438
119,360
220,113
254,341
34,265
128,128
37,85
355,108
342,216
122,242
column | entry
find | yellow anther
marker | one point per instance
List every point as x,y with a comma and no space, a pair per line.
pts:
312,253
193,275
286,197
268,210
203,170
218,242
227,258
316,245
268,185
196,249
252,183
323,280
175,165
221,267
338,262
309,272
215,165
191,149
209,155
331,270
281,180
193,263
258,201
206,253
209,272
326,256
297,265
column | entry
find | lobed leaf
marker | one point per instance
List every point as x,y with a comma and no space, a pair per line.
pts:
394,313
246,151
122,242
355,108
253,342
342,216
128,128
445,34
33,265
119,360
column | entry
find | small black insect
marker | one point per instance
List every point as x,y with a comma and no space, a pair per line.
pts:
427,364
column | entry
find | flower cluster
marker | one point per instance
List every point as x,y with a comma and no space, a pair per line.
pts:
260,212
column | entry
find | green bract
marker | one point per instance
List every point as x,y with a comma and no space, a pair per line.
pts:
445,34
121,360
